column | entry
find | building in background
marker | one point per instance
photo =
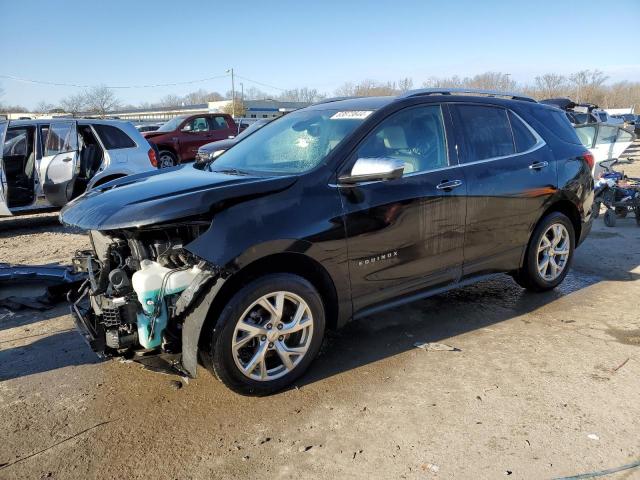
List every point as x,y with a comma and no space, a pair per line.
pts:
253,109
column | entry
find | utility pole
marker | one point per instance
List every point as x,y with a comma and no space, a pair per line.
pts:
241,92
233,93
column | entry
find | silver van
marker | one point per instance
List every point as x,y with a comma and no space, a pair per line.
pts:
46,163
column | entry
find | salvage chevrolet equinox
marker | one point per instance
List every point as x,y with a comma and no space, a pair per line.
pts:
332,212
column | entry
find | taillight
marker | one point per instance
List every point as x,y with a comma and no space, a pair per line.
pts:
588,157
152,157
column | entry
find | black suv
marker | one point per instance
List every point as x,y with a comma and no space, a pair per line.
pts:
332,212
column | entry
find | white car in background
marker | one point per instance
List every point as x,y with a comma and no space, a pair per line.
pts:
44,164
604,141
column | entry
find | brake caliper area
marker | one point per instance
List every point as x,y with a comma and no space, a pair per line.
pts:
138,291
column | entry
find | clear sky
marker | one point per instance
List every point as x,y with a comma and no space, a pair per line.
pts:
319,44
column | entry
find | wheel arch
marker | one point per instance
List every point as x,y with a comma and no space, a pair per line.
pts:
284,262
567,208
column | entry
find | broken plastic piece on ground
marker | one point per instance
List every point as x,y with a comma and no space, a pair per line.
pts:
435,347
56,279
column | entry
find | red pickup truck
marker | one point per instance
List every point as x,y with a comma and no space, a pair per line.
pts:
178,140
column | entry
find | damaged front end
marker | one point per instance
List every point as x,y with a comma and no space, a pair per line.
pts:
142,285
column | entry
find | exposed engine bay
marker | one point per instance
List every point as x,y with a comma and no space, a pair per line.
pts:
140,284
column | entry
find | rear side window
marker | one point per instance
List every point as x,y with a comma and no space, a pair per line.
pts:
522,136
586,134
486,132
62,137
219,123
113,138
556,121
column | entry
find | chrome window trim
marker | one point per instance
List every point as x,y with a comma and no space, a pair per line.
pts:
537,146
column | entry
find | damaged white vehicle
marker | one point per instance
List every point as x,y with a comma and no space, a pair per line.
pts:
47,163
605,142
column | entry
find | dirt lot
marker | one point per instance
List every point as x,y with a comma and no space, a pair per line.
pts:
542,386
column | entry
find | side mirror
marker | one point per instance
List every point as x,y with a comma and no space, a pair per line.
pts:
186,128
372,170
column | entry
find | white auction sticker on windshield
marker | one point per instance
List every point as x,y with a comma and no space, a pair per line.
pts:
351,115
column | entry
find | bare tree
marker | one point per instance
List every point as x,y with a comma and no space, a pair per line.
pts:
238,111
304,94
405,84
588,85
74,104
43,107
170,100
101,100
366,88
201,96
551,85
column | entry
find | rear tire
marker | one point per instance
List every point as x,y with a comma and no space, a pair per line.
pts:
257,349
596,209
610,218
549,254
167,159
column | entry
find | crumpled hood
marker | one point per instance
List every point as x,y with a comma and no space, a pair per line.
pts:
162,196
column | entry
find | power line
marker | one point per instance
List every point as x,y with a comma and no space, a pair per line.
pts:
260,83
75,85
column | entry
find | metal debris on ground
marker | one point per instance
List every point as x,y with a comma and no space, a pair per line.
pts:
435,347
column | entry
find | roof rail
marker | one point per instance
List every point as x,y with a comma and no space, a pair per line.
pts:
474,91
332,99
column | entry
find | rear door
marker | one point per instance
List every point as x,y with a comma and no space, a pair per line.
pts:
510,175
406,234
4,210
59,164
220,128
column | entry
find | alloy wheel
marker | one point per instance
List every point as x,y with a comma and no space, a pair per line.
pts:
272,336
553,252
166,161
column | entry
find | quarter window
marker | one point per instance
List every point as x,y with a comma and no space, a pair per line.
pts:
415,136
522,136
113,138
486,132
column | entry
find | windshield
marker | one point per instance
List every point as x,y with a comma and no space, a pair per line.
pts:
295,143
172,124
252,128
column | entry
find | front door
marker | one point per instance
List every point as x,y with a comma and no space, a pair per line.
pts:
59,164
511,174
4,210
406,234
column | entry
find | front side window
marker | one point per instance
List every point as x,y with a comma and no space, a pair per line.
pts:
198,124
292,144
416,136
62,137
486,132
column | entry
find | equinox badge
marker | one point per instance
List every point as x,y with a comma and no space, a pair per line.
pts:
385,256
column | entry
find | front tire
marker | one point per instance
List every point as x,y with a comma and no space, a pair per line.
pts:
271,330
548,255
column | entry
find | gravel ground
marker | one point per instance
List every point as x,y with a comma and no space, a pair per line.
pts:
542,386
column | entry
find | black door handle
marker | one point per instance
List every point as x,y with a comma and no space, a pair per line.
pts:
448,185
538,165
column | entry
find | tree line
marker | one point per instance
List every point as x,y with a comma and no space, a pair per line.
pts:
584,86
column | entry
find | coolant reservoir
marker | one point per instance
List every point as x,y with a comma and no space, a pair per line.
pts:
147,283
